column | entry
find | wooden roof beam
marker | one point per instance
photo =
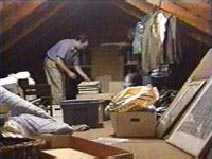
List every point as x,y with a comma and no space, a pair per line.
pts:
180,12
130,10
198,9
22,10
186,16
142,6
33,26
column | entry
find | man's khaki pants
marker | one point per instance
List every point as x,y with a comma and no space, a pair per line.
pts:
57,81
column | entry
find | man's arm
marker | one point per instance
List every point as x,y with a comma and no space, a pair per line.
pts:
82,73
60,63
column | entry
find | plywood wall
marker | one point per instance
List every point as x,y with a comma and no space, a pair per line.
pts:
107,65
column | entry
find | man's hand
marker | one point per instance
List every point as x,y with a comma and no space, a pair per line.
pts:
72,75
79,70
60,63
87,79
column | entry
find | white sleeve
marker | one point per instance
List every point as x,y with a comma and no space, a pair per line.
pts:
18,106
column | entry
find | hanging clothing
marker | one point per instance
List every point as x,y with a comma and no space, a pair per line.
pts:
160,43
172,43
137,42
138,38
152,45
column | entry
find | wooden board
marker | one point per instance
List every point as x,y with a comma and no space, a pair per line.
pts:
107,65
203,70
65,153
194,131
141,148
180,103
80,148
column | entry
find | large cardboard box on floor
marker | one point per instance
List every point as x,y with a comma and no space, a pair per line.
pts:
67,146
134,124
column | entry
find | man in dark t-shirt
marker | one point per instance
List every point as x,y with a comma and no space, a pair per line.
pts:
63,60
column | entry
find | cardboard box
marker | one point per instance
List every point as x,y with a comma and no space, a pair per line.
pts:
116,86
66,146
134,124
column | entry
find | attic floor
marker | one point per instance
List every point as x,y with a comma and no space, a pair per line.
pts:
141,148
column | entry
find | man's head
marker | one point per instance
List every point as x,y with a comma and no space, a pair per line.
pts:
82,42
82,37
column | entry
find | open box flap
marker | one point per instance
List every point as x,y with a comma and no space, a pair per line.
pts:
86,146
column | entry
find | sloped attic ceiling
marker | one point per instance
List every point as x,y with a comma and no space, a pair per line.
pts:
30,38
195,13
21,17
30,28
12,12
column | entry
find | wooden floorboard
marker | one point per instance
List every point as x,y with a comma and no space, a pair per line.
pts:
142,148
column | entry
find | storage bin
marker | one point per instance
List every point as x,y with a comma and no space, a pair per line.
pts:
76,112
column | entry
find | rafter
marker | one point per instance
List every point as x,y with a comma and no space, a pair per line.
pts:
180,12
21,11
130,10
33,26
197,9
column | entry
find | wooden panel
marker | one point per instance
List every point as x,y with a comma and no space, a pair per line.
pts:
187,16
203,70
198,9
107,65
65,153
143,6
87,147
182,101
194,131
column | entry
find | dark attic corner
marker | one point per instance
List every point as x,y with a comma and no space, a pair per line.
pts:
112,79
61,20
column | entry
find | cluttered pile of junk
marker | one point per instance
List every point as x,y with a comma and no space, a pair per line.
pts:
27,130
150,110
